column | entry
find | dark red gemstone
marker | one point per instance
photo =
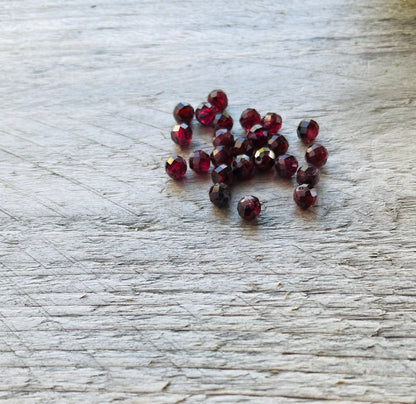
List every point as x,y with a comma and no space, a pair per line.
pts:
307,174
304,196
308,130
222,173
220,194
181,134
242,146
243,167
199,161
272,122
205,113
183,113
175,167
221,155
286,165
264,159
278,143
258,136
249,207
223,137
219,99
249,117
316,155
223,121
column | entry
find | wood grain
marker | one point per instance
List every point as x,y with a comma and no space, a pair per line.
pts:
119,285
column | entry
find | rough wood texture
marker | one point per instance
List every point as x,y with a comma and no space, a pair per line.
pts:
119,285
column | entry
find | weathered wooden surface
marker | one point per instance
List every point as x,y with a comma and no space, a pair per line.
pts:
118,284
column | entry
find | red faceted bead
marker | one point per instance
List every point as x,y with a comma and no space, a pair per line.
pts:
286,165
316,155
304,196
220,194
242,146
308,130
219,99
223,121
222,173
223,137
199,161
221,155
258,136
205,113
175,167
183,113
264,159
249,207
272,122
278,143
243,167
249,117
307,174
181,134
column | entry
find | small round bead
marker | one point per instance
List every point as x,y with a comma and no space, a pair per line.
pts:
243,167
264,159
223,120
205,113
308,174
220,194
286,165
249,117
272,122
221,155
242,146
278,143
304,196
183,113
249,207
181,134
199,161
219,99
308,130
258,136
316,155
175,167
223,137
222,173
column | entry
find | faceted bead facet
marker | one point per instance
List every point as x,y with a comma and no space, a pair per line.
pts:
223,137
272,122
175,167
308,174
279,144
221,155
181,134
243,167
308,130
286,165
223,120
220,194
249,207
264,159
205,113
219,99
242,146
258,136
222,173
304,196
183,113
316,155
199,161
249,117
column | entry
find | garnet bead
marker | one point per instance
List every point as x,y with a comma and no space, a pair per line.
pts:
243,167
223,137
222,173
308,174
279,144
223,121
264,159
183,113
181,134
242,146
220,194
205,113
175,167
286,165
219,99
199,161
316,155
308,130
249,117
249,207
258,136
304,196
221,155
272,122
